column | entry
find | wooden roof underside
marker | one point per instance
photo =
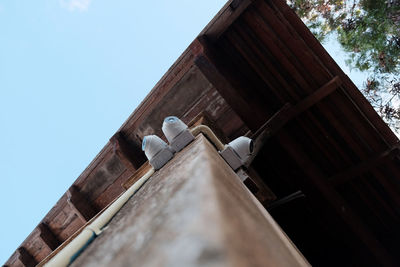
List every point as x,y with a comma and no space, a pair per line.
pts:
256,68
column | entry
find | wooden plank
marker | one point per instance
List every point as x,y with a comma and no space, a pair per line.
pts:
224,18
174,211
365,166
244,42
240,72
207,63
292,67
80,204
25,257
48,237
291,42
182,97
130,154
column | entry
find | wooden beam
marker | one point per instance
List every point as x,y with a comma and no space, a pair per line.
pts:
363,167
289,112
317,96
224,18
130,154
25,257
207,62
80,204
48,237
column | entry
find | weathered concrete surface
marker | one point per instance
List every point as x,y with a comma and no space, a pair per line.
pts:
193,212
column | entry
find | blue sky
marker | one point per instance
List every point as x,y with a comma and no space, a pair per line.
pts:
71,72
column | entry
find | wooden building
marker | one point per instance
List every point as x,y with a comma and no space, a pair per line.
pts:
326,166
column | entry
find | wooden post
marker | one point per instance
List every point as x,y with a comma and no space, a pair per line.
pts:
195,211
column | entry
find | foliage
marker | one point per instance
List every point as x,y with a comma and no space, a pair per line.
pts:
369,31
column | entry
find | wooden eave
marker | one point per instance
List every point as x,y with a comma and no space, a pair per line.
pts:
257,69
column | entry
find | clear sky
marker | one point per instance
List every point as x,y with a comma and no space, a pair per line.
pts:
71,72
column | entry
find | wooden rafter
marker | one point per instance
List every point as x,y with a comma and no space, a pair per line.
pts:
130,154
25,257
80,204
228,14
206,61
289,112
48,237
